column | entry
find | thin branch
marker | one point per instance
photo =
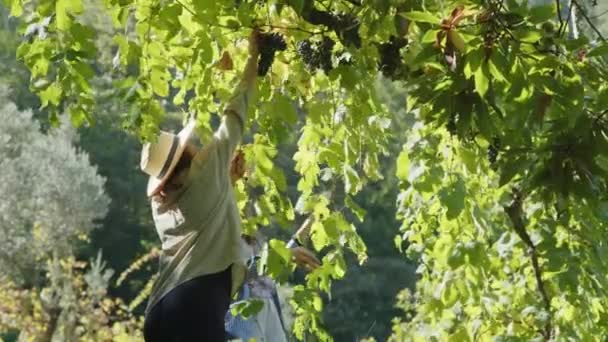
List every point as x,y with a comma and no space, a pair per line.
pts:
588,20
559,13
599,15
355,2
293,28
186,8
516,215
562,26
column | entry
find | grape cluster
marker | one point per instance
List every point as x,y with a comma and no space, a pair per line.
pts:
347,28
269,44
390,58
317,55
345,25
493,150
451,126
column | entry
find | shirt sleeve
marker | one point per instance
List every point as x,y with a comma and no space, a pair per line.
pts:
231,129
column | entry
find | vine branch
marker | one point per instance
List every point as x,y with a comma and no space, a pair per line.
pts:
599,15
559,14
516,215
189,10
588,20
563,24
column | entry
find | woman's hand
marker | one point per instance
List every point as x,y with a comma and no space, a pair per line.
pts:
254,43
304,258
251,68
237,166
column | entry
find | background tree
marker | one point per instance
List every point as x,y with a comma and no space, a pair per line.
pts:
72,305
52,194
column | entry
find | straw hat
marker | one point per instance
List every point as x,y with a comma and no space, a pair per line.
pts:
158,159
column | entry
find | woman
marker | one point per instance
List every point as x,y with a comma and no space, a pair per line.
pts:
198,223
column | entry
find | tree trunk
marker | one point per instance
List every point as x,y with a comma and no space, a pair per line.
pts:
51,326
572,28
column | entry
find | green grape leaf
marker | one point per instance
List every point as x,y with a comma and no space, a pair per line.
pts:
403,165
285,108
423,17
539,14
355,208
247,308
52,94
599,51
16,8
482,82
454,198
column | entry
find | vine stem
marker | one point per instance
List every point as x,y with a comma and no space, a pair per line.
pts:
516,215
562,28
290,28
559,15
599,15
271,26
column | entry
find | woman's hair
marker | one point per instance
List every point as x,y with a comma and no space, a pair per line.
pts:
175,181
249,239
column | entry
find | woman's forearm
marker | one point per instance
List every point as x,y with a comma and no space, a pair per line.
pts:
250,73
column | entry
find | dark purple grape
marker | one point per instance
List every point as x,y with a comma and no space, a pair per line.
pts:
307,53
390,57
317,55
325,49
451,126
493,150
345,25
269,44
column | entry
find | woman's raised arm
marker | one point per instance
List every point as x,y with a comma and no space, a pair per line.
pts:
231,129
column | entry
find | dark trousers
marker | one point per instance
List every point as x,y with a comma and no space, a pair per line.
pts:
192,312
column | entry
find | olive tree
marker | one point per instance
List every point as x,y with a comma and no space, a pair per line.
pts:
51,194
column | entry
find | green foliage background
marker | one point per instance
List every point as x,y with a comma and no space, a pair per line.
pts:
511,248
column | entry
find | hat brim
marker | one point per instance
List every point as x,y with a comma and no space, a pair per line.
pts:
154,183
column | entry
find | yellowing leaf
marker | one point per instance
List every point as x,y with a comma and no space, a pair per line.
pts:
225,63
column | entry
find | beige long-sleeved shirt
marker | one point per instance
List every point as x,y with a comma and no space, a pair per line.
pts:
201,230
